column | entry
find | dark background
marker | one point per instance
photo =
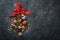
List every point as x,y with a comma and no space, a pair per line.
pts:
44,21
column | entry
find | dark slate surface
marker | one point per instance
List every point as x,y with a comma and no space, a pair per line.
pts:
44,20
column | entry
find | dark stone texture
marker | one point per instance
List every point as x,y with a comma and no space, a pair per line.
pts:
44,20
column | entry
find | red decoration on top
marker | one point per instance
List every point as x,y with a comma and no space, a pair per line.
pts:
20,10
19,6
